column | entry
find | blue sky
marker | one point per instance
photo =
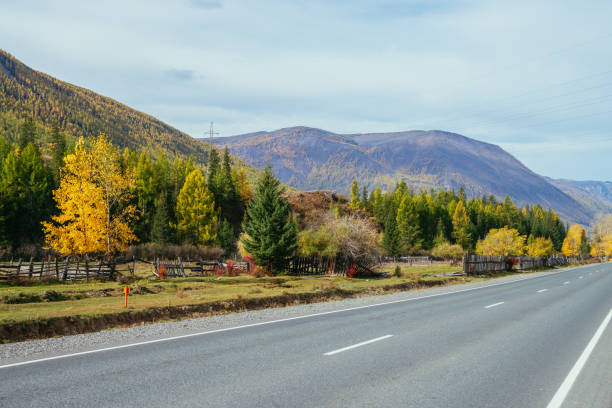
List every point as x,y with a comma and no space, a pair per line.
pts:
533,77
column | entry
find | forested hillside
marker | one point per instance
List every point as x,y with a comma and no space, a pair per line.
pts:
77,111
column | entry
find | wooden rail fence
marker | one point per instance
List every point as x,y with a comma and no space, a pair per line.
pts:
57,269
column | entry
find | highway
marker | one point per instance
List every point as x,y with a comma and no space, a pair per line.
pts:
537,342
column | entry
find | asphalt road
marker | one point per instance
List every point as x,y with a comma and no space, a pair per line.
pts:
529,343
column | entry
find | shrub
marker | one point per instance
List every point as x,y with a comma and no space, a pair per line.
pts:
397,272
447,251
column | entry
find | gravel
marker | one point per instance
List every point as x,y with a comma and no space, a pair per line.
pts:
29,350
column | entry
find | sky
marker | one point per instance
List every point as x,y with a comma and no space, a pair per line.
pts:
534,77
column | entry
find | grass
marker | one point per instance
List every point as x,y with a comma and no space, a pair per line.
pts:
31,300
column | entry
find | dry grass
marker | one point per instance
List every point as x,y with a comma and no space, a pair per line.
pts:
97,298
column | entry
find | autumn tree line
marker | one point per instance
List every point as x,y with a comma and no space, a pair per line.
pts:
91,198
447,223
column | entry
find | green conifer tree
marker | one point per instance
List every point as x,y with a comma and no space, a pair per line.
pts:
161,232
271,234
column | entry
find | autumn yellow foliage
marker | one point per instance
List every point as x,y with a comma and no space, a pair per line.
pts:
539,246
94,203
502,241
574,241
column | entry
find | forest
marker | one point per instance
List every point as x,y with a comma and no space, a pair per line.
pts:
89,198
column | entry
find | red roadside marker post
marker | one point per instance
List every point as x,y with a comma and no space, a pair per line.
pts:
126,292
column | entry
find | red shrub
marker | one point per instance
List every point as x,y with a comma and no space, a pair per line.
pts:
352,271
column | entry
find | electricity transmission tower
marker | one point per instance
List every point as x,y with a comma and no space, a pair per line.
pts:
211,134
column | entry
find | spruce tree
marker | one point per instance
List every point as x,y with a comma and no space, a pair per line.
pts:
391,237
271,235
58,151
160,230
227,237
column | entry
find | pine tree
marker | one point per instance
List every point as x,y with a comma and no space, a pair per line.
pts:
195,210
271,234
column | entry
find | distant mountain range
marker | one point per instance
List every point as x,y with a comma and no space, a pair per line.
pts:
314,159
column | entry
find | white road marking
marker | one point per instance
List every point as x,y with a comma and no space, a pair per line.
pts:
580,277
566,282
184,336
564,389
542,290
363,343
494,304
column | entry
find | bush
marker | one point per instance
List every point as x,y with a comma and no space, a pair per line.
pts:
447,251
353,237
397,272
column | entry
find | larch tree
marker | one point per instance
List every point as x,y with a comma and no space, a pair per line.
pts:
270,234
355,203
575,241
461,226
195,211
93,200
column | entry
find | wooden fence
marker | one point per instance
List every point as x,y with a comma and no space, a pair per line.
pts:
410,260
323,265
57,269
476,264
177,268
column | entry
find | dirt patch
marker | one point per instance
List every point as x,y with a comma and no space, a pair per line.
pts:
62,326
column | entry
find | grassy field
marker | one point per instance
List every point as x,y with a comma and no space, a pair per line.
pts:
39,300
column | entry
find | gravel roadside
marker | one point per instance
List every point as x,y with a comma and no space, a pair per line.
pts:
35,349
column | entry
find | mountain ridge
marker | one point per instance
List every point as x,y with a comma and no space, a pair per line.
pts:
310,158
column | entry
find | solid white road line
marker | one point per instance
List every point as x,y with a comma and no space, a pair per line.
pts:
363,343
494,304
566,282
542,290
142,343
564,389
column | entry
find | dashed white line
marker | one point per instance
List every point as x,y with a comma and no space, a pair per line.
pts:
566,283
564,389
363,343
542,290
580,277
494,304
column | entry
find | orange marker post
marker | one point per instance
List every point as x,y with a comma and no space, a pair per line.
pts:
126,291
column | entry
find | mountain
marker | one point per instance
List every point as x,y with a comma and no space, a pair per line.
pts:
313,159
25,92
595,196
